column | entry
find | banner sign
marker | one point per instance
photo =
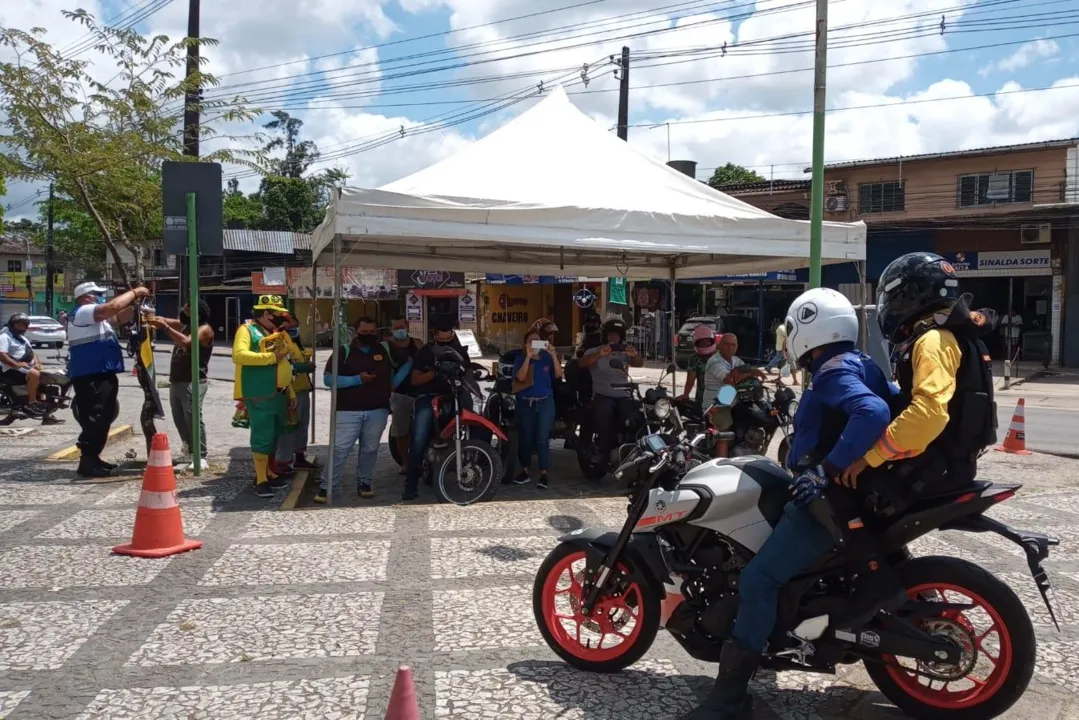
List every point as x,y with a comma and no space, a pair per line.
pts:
357,283
616,291
494,279
430,280
1000,260
466,308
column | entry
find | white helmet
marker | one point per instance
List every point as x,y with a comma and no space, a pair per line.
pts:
819,317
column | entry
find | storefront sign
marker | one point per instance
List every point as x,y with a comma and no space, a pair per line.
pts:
430,280
13,285
413,308
742,277
494,279
584,298
262,284
466,308
1004,260
357,283
512,310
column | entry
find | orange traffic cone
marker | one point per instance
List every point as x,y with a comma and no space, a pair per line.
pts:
403,698
159,531
1015,441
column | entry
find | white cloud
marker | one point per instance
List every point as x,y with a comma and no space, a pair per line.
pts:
1024,56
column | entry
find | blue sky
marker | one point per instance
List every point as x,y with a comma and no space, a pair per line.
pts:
766,36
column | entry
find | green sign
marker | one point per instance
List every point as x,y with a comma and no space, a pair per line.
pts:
616,291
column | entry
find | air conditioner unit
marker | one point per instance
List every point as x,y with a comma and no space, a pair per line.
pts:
1035,234
836,203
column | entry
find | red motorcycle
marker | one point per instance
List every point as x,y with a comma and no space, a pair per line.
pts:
462,463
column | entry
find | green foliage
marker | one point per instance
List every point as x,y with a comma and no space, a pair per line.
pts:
731,173
102,140
3,191
77,240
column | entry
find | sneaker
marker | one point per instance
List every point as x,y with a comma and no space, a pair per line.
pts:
52,420
541,484
34,410
92,470
364,490
408,496
302,463
522,479
320,497
278,482
263,490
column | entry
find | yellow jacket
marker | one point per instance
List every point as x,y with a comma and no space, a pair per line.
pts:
935,357
301,381
258,373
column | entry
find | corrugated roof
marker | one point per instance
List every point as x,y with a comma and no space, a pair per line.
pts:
16,245
765,186
265,241
994,150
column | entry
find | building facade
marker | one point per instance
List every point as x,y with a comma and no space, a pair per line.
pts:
1006,217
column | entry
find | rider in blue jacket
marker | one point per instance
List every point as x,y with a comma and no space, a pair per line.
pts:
839,418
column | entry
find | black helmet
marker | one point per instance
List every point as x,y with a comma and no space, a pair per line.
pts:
911,288
615,325
18,318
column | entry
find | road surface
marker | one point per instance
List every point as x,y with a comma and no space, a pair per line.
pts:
1048,430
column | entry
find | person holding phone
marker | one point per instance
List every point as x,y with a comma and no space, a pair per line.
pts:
534,376
612,399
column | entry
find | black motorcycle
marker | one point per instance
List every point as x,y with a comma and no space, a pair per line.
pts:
501,405
653,412
757,414
55,388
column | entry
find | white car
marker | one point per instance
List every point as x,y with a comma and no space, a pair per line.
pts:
44,331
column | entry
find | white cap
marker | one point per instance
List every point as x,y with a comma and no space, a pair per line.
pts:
88,288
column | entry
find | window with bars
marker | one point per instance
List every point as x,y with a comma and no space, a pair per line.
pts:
882,197
1014,186
14,265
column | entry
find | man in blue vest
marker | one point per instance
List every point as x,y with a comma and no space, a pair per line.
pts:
96,359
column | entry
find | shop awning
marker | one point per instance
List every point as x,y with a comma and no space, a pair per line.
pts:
554,193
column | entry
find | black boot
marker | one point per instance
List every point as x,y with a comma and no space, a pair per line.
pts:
729,698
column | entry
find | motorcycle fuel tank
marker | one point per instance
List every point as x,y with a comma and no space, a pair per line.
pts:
735,507
666,507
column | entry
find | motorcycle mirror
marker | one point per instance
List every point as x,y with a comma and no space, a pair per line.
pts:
618,364
726,395
671,369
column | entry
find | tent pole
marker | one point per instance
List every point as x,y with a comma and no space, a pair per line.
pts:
334,363
672,332
312,316
863,320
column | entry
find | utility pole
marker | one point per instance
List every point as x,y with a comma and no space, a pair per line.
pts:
820,76
50,268
192,98
623,95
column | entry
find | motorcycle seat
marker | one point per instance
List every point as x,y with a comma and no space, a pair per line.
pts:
766,472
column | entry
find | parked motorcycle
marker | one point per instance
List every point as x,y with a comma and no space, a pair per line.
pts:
654,412
758,415
462,457
501,405
54,388
600,596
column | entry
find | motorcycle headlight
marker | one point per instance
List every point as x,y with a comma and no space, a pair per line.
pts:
662,408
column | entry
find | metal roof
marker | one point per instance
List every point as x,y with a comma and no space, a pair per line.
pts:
265,241
765,186
16,245
976,152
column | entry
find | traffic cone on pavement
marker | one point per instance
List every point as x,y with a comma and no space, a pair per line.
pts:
403,699
1015,442
159,530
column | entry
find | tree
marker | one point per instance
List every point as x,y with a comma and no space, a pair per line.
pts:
240,209
77,240
3,191
731,173
102,141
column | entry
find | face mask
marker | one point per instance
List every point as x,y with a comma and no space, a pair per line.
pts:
294,332
99,300
366,339
278,321
400,334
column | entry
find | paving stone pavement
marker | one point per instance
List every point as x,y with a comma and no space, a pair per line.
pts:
307,614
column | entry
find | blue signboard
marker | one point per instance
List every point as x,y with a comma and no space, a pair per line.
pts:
769,277
962,261
494,279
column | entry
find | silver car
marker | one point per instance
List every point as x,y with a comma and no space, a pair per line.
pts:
46,332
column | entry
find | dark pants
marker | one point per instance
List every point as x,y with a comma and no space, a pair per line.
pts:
608,414
535,418
423,424
95,396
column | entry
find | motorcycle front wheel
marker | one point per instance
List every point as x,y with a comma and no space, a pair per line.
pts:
622,626
481,473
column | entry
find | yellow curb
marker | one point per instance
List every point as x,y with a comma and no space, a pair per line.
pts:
72,453
299,480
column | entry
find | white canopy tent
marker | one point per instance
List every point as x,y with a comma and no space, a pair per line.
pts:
552,192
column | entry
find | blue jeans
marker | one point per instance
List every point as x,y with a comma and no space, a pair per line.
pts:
796,543
366,426
535,418
423,423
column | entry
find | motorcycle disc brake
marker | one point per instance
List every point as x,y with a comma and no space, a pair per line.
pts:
951,631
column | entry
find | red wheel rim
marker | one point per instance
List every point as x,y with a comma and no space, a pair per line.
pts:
925,690
613,619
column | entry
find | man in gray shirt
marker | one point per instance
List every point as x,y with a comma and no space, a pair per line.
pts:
610,404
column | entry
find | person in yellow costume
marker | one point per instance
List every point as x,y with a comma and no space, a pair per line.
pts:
264,382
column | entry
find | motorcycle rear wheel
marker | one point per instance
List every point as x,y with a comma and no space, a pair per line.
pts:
637,607
1015,644
482,478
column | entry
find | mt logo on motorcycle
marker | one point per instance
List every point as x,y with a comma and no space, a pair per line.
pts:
962,646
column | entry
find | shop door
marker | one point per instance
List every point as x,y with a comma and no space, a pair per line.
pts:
439,308
232,316
563,315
